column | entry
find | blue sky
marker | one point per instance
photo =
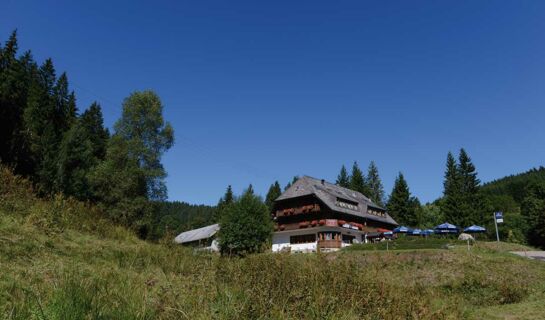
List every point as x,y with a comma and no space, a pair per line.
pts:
262,91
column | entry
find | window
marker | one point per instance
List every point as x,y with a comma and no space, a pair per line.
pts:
330,235
348,239
376,212
303,238
343,203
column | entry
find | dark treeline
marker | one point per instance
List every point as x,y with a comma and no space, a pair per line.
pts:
44,136
173,217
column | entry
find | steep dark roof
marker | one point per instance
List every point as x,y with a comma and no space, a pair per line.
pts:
328,194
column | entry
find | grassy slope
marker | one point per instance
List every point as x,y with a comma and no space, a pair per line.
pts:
74,275
60,261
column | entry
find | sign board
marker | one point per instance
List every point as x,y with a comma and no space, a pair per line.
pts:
499,217
331,222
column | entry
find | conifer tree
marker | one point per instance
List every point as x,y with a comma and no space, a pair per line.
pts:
92,122
463,204
40,117
533,209
294,180
472,210
401,205
374,183
452,193
249,190
15,78
343,179
224,202
357,180
274,192
82,148
228,198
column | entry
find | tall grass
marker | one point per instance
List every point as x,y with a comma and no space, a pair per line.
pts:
56,268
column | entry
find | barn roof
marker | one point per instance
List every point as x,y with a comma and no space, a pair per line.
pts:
328,194
197,234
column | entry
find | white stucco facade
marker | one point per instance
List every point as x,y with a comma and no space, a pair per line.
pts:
282,239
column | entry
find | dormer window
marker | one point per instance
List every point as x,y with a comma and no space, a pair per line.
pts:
376,212
347,204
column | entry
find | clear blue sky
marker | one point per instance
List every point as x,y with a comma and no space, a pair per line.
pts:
262,91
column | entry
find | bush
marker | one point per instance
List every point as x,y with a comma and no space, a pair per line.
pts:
245,226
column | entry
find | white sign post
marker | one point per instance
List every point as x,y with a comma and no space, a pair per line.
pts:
498,218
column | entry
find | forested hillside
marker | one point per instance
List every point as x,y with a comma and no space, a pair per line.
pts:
64,149
515,186
174,217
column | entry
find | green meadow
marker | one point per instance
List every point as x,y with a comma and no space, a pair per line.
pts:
60,260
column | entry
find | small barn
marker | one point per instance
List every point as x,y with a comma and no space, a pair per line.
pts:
204,238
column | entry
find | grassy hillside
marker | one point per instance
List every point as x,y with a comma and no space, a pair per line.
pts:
60,260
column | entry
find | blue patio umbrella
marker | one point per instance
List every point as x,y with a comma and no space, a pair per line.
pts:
401,229
415,232
446,228
427,232
474,229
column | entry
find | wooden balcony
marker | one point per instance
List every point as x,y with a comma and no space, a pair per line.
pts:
329,244
311,208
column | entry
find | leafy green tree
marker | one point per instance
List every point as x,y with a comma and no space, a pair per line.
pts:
148,136
343,179
245,226
357,180
402,206
376,190
431,215
274,192
120,185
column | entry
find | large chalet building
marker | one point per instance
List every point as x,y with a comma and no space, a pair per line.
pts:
314,215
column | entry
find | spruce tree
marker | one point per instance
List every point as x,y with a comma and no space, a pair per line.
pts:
452,193
357,180
343,179
82,148
533,209
40,118
463,204
15,78
223,203
401,205
274,192
376,190
472,210
249,190
295,178
92,122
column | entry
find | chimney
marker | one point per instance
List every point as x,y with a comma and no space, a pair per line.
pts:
323,181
